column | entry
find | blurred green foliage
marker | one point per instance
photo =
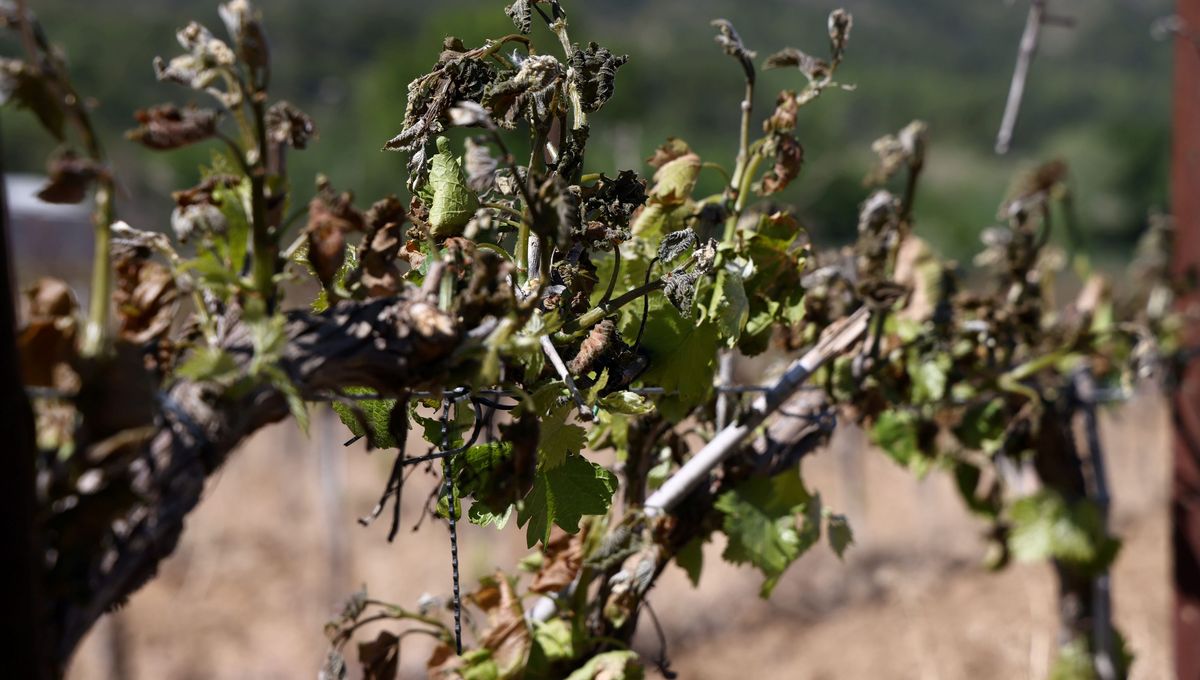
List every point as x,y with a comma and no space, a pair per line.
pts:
1098,96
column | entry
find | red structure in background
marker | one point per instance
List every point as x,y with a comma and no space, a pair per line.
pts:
1185,491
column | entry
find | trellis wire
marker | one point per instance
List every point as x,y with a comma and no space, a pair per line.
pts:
452,516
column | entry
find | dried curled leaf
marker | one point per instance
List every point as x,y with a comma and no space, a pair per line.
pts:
287,124
608,206
556,212
816,70
675,244
195,210
47,341
166,126
905,149
380,657
480,166
521,13
145,295
331,215
70,177
593,71
507,636
244,25
840,22
669,150
789,157
25,86
459,75
529,92
380,248
598,342
784,117
202,66
731,43
561,563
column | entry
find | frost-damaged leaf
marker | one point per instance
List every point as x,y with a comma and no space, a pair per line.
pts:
761,518
608,206
202,66
668,151
529,92
619,665
334,667
561,563
244,25
594,69
594,346
453,203
70,177
838,530
380,657
1045,526
480,166
675,244
145,295
380,248
459,75
816,70
789,157
905,149
25,86
731,43
556,214
840,22
166,126
507,637
784,117
563,495
196,211
331,216
375,414
288,125
47,342
521,13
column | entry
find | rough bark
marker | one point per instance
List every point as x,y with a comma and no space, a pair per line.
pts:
388,345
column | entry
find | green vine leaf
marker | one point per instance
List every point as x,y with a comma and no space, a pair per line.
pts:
682,360
563,495
626,403
557,439
453,203
375,412
618,665
1045,526
761,521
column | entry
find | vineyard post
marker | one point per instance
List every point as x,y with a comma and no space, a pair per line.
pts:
22,623
1185,490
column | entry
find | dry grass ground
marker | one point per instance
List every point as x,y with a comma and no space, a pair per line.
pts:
270,553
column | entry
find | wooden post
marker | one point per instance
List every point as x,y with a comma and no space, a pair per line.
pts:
22,615
1185,489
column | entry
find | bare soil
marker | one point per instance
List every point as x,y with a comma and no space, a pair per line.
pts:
274,548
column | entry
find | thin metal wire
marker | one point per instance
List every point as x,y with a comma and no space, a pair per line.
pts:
448,490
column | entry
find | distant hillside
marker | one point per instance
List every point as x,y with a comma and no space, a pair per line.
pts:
1098,96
